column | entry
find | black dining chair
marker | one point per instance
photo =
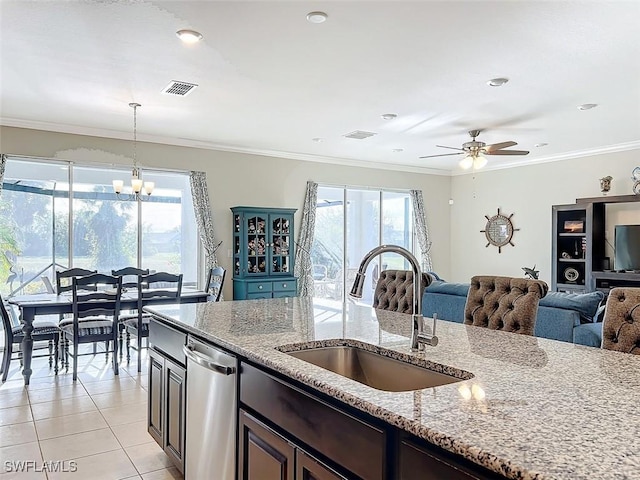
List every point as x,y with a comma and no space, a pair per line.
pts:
13,335
159,287
96,306
130,277
215,282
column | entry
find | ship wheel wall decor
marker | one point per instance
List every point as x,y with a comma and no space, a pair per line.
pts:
499,230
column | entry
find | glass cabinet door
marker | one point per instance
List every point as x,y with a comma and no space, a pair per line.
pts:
280,242
256,244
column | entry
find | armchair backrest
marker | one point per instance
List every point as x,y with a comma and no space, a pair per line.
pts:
504,303
621,324
394,290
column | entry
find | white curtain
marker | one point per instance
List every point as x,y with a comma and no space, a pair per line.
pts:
3,163
204,219
421,229
303,267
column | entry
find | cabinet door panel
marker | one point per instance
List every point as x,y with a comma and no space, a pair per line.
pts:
156,397
417,463
308,468
175,385
263,454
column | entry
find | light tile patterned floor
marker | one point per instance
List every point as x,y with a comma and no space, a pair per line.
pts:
98,422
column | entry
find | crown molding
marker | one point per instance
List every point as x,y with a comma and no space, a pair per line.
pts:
182,142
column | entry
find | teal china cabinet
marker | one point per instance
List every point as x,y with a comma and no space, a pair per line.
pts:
263,253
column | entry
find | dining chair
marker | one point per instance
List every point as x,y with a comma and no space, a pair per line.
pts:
621,323
394,290
130,277
64,279
96,306
13,335
159,287
504,303
215,282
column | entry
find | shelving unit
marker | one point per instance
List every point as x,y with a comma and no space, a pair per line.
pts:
263,253
583,250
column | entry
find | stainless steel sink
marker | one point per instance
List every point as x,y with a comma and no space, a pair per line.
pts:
375,370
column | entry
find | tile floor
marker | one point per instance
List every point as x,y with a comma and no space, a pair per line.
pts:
98,422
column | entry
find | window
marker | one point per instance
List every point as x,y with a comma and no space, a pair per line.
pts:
46,225
349,223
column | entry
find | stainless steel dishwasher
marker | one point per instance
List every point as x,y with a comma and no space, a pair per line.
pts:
211,412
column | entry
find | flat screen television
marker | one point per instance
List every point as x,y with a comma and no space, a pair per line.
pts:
627,247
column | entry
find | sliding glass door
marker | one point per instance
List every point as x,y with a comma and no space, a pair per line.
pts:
349,223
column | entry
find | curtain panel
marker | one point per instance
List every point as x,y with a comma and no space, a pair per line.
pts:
3,163
204,218
421,229
303,267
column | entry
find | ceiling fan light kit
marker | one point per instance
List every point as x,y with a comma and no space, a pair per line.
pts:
475,150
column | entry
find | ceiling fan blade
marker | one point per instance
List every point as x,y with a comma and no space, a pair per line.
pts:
451,148
498,146
443,155
508,152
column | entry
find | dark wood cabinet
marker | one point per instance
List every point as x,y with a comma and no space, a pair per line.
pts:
308,468
166,418
263,454
423,463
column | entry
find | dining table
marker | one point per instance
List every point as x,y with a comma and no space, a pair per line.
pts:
51,303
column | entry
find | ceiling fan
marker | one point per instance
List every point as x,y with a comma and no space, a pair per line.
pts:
474,151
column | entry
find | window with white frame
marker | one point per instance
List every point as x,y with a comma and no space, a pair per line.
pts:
350,222
56,215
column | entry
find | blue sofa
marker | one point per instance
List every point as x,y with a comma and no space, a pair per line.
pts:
561,316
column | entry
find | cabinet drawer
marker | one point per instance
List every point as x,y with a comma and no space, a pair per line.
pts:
284,285
167,340
287,294
346,440
259,287
255,296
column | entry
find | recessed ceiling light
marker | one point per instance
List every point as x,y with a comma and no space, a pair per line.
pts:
541,144
587,106
189,36
317,17
318,140
398,150
497,82
389,116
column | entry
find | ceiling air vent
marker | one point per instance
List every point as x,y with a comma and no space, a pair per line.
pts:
359,135
179,88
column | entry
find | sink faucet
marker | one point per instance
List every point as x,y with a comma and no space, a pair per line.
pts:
418,338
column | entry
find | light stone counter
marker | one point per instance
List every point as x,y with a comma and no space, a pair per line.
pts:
535,408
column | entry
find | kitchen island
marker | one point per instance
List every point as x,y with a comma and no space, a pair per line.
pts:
533,408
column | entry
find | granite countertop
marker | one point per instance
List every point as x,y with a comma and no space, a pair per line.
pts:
534,408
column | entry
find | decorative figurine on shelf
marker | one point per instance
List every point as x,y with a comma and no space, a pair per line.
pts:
531,273
262,266
252,227
274,266
252,247
260,226
635,176
285,226
605,184
261,246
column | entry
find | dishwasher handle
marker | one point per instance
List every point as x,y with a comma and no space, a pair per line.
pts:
206,362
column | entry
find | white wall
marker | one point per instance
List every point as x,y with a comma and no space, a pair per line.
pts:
241,179
529,192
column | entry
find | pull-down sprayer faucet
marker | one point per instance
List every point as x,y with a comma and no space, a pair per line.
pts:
418,338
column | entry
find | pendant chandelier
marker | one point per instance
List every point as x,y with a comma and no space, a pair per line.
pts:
136,178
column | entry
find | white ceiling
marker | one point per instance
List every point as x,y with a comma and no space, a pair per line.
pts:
270,82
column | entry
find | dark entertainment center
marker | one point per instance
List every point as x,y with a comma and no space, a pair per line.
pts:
579,262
